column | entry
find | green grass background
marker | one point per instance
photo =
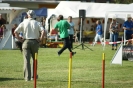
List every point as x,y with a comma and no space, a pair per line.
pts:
53,69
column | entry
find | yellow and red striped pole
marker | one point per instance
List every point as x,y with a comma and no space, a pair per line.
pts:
35,69
70,71
103,70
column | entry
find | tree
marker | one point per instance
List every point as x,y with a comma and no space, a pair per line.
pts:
123,1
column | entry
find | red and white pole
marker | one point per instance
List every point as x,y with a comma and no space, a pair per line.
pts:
35,69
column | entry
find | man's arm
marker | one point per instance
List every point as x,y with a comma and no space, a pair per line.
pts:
42,35
56,27
124,26
18,37
17,31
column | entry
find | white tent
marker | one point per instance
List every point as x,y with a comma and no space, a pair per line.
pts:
6,8
95,10
12,11
71,8
124,10
13,16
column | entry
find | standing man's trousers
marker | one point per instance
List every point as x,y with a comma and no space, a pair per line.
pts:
30,47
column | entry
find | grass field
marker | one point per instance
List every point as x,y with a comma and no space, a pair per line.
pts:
53,69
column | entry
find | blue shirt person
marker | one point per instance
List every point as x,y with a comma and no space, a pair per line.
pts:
98,32
71,31
128,27
99,29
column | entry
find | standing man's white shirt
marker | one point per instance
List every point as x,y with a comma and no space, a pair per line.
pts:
30,29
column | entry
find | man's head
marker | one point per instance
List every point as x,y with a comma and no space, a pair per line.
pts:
60,17
70,18
31,14
15,25
98,22
113,19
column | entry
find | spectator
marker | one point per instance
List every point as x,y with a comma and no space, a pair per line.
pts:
13,29
78,30
130,42
71,31
128,27
114,30
98,32
2,20
18,43
2,30
53,35
43,22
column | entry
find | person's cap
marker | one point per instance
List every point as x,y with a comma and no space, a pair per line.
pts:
31,13
129,16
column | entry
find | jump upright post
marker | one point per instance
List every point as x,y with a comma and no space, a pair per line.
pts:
35,69
70,71
103,69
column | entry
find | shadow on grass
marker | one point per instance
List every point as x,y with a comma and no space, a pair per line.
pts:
8,79
74,81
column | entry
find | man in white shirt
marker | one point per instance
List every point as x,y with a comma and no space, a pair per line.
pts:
31,30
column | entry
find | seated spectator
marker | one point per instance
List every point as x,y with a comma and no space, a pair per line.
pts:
18,43
2,20
53,35
2,30
130,41
14,27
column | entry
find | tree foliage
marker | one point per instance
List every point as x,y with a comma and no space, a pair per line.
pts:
123,1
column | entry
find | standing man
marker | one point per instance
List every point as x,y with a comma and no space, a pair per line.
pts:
31,30
71,31
62,26
128,27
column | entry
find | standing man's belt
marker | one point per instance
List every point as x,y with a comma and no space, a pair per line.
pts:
30,39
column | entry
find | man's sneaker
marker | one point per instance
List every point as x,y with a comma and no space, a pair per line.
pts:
58,53
73,53
33,78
